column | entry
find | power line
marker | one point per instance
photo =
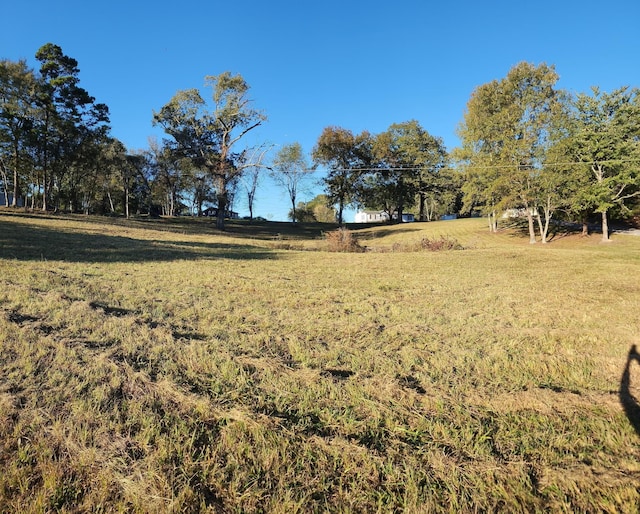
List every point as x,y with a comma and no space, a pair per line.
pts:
478,167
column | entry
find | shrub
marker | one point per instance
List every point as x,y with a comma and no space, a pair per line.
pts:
439,244
442,243
343,240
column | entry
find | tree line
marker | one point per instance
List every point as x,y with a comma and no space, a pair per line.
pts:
526,147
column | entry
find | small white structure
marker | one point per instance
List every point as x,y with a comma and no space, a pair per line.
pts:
381,217
371,217
518,213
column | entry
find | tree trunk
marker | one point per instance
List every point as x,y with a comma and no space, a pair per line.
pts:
222,207
547,221
605,228
33,186
45,189
16,187
293,209
126,201
3,173
110,202
532,228
543,236
6,193
544,228
172,203
584,221
430,210
422,215
45,159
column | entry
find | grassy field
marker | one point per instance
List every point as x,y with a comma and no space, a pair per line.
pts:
162,366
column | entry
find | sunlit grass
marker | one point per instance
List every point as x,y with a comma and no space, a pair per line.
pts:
167,366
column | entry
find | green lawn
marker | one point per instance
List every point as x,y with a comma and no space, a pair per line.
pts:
163,366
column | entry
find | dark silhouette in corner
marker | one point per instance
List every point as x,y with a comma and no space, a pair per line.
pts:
629,402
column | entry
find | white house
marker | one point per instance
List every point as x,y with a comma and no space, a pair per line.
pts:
518,213
380,217
371,217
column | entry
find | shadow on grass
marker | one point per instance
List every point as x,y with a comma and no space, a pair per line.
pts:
368,231
557,229
28,243
629,402
254,229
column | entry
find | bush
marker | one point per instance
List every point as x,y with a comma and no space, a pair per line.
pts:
342,240
439,244
442,243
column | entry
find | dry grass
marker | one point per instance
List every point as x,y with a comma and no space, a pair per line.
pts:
157,367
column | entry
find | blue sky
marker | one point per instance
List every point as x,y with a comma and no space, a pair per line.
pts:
361,65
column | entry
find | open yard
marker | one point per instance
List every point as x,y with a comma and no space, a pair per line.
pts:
162,366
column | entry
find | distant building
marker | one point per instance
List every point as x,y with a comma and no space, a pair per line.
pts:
380,217
213,211
518,213
371,217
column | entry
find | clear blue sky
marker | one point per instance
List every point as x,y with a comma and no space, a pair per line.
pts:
354,64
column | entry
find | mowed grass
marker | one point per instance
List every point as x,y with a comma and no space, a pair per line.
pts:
162,366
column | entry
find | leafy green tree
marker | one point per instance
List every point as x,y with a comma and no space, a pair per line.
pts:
481,189
563,184
168,176
318,209
505,137
132,168
99,192
67,117
606,139
209,137
375,190
322,210
442,195
409,161
303,213
346,156
17,83
101,182
395,182
85,176
199,185
290,171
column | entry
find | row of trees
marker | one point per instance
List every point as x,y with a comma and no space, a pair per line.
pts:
529,146
56,151
391,171
525,145
50,129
